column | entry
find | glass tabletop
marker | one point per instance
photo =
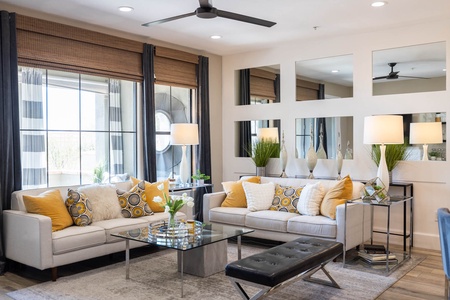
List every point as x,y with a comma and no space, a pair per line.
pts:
210,233
391,200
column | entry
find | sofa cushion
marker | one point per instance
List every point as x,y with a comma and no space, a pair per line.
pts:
286,198
338,194
228,215
79,207
259,196
118,225
77,237
50,204
133,202
104,201
269,220
235,192
152,191
319,226
310,199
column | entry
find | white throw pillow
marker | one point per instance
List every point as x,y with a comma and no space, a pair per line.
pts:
105,204
259,196
310,199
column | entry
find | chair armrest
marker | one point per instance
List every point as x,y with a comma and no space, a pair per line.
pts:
28,238
357,225
210,201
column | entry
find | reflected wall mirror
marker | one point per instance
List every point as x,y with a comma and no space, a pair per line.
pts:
246,133
328,135
258,85
324,78
435,151
412,69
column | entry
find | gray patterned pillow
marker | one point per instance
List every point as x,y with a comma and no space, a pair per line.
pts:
133,202
79,207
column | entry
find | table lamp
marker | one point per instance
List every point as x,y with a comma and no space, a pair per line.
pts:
383,130
425,133
184,134
268,134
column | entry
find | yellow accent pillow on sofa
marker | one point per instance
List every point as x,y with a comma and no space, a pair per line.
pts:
151,191
338,194
235,192
51,204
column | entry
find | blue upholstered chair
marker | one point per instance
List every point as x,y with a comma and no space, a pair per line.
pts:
444,235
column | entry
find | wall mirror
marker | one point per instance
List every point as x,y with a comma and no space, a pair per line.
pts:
324,78
246,133
412,69
437,149
258,85
327,136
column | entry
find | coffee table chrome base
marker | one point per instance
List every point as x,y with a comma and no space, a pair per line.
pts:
180,257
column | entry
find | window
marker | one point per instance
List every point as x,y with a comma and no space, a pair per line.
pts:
75,128
172,105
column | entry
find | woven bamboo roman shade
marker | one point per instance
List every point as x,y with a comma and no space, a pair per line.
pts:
307,90
176,68
46,44
262,83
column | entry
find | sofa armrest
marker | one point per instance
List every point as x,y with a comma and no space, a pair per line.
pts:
357,225
212,200
28,238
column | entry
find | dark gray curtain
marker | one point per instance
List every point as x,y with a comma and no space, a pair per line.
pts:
277,88
321,121
204,146
10,175
245,130
148,110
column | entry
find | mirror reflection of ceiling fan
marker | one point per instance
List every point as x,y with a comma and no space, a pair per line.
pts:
208,11
394,74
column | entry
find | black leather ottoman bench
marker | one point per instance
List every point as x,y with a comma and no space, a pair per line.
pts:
282,264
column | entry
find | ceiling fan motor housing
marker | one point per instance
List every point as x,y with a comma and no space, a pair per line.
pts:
206,12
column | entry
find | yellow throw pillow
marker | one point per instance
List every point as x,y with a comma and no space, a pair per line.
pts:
235,192
151,191
50,204
338,194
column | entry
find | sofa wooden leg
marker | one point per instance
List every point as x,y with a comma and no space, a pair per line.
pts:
54,273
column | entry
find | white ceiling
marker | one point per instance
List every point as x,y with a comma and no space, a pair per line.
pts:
295,19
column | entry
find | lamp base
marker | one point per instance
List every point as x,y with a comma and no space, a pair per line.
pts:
184,170
425,152
383,173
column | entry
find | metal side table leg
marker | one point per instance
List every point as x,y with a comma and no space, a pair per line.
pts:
127,259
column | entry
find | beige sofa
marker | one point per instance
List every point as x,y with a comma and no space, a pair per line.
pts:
29,238
286,226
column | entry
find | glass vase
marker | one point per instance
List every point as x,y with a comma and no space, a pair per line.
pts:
171,223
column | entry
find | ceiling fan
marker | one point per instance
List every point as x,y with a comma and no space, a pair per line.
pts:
208,11
394,74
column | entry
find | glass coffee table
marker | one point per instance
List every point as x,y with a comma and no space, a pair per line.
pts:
199,242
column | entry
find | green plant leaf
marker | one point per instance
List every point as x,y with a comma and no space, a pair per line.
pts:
394,154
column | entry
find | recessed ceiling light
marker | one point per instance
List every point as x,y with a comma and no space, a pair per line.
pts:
443,70
125,8
334,71
216,37
379,3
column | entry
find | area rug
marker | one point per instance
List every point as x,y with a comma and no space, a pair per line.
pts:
155,276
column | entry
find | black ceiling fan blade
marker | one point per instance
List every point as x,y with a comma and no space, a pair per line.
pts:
379,77
169,19
414,77
243,18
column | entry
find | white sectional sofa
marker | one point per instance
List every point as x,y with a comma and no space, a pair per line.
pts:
29,238
287,226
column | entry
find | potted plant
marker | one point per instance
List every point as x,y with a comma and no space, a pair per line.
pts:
261,152
433,155
200,177
394,154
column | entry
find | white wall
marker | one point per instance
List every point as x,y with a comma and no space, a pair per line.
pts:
431,179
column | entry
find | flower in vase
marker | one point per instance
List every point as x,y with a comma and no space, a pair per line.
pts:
173,203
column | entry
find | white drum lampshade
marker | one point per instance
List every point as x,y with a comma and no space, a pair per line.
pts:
184,134
268,134
425,133
382,130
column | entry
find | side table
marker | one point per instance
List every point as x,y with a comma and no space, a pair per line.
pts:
193,187
393,201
